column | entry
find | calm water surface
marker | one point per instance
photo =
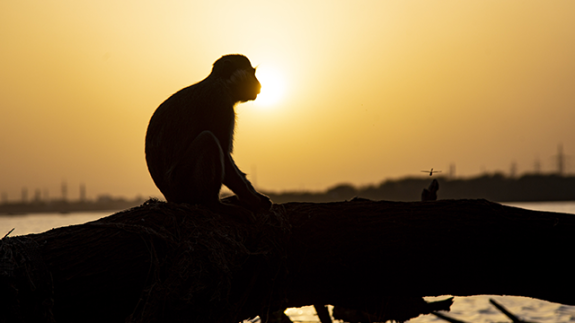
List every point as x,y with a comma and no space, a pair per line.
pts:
475,309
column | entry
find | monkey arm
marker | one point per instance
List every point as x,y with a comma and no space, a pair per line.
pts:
236,181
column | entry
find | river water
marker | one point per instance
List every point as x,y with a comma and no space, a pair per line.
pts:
474,309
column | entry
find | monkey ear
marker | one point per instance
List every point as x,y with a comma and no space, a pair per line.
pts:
227,68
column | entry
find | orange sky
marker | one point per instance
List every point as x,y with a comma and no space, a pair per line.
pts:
372,89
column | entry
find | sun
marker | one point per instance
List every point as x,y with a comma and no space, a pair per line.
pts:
272,86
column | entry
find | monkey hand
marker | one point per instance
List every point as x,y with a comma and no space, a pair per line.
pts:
265,202
256,201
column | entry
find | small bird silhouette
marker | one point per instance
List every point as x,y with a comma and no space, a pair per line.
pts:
430,194
431,172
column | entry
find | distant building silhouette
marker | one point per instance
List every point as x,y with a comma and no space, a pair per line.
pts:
452,170
560,160
37,195
82,192
64,191
513,170
537,166
24,195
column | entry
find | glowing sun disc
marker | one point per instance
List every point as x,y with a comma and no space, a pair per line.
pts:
272,86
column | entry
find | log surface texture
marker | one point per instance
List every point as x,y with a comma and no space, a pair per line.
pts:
162,262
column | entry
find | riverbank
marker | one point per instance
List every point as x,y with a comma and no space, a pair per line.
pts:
494,187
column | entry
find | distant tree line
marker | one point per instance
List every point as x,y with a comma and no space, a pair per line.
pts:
493,187
103,203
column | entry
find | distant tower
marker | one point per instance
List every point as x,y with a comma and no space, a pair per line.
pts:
560,159
24,195
64,191
452,170
82,192
537,166
38,195
513,170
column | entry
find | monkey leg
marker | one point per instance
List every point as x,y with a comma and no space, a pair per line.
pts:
196,178
236,181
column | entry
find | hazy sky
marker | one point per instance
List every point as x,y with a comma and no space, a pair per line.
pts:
369,90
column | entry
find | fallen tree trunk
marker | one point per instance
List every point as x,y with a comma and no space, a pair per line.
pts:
162,262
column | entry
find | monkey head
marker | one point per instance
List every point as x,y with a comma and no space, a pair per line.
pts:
239,75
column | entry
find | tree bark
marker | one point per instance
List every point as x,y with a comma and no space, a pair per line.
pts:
162,262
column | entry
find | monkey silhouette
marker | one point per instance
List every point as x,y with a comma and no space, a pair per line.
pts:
189,140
